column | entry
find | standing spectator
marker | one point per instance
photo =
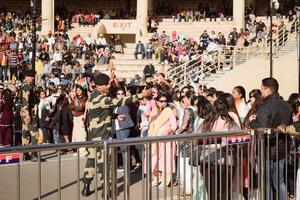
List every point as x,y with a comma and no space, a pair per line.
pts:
12,65
44,56
139,49
39,68
233,36
186,127
272,113
62,120
77,101
123,122
162,122
44,112
149,71
218,121
6,118
3,66
239,95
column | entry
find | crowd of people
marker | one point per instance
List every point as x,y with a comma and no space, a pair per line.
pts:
65,100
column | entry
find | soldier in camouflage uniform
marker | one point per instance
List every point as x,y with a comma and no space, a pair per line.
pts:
99,118
29,115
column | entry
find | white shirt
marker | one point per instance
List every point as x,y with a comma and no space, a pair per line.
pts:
54,80
141,113
101,41
44,104
51,41
243,110
212,47
89,40
57,56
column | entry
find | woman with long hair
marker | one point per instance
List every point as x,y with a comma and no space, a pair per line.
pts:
239,95
77,101
218,121
255,99
232,109
123,122
254,95
162,122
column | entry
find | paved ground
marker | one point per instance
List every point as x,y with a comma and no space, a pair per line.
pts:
29,181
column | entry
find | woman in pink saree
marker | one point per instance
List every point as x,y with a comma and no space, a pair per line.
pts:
162,122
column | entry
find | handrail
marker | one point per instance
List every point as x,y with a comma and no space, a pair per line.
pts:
239,55
128,141
49,147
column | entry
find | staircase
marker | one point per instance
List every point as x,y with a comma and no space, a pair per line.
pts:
195,29
82,30
209,73
127,66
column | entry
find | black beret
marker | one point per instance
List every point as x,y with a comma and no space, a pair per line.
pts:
101,79
30,73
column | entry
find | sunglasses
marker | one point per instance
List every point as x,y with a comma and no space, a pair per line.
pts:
163,101
120,93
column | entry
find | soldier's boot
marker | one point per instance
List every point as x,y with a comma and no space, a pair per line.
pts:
86,190
26,156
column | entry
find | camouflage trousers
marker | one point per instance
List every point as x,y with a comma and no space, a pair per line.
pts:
89,170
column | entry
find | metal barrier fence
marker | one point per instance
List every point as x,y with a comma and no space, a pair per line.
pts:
255,164
59,148
248,164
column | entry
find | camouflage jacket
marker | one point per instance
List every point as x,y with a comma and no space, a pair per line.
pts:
29,106
99,113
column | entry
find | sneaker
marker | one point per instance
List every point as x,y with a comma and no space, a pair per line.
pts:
120,169
155,183
138,165
162,186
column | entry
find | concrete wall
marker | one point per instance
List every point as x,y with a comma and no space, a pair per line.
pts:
252,72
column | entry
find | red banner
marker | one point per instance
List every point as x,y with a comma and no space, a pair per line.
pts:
9,158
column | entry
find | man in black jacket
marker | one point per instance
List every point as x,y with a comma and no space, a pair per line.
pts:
149,71
270,114
139,49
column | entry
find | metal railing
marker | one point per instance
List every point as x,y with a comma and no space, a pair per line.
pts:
58,148
221,165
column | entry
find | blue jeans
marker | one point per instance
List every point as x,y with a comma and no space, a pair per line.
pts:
269,189
123,134
3,73
56,136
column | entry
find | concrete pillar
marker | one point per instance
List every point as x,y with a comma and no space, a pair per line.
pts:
239,13
150,7
47,16
141,18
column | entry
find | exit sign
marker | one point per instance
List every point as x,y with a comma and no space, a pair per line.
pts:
9,158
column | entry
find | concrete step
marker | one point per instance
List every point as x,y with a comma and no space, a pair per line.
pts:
134,61
129,68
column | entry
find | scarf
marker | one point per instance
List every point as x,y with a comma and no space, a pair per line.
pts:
157,120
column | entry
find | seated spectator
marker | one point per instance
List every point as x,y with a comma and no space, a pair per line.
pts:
63,81
212,47
139,49
57,56
101,42
53,79
149,71
149,50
